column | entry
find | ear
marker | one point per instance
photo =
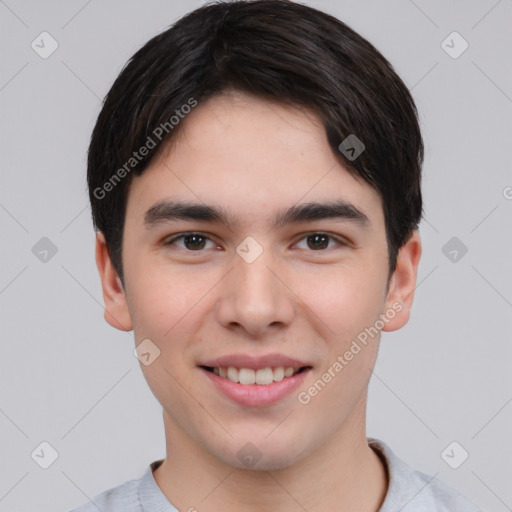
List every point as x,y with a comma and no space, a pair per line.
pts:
403,283
116,307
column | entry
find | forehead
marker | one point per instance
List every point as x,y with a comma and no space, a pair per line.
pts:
254,157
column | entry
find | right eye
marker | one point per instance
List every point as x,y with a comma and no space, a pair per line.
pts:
192,242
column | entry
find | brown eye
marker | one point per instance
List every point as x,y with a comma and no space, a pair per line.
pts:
191,241
320,241
194,242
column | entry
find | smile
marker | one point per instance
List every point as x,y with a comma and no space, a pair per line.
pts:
250,387
260,376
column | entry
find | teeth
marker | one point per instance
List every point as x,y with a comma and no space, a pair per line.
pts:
246,376
233,374
278,373
288,372
262,377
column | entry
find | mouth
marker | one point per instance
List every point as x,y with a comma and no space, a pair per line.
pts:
255,381
255,376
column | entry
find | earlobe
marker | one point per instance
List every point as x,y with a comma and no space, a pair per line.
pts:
116,308
403,283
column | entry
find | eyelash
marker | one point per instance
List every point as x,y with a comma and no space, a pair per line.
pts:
181,236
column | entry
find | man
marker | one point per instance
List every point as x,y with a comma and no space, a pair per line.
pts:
254,178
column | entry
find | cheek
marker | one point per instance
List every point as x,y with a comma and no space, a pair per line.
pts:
161,300
346,300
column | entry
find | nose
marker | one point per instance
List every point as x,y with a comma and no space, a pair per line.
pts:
255,297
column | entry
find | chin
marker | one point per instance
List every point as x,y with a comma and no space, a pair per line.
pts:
271,463
262,454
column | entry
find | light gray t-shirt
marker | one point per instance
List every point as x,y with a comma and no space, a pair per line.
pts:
408,491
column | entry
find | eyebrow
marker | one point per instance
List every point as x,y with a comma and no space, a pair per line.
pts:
165,211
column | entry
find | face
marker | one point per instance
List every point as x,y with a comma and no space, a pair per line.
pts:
251,289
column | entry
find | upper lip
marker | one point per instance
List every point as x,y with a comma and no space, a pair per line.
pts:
254,362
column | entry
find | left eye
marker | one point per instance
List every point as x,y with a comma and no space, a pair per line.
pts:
319,241
198,241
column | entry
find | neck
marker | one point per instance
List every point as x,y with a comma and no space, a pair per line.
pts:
344,474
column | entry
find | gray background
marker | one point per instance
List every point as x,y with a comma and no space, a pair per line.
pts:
71,380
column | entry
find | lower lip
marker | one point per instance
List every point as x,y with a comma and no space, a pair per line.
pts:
254,395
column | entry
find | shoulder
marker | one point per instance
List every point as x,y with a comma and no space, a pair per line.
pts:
123,498
414,491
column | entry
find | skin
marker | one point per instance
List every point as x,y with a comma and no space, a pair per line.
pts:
256,157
